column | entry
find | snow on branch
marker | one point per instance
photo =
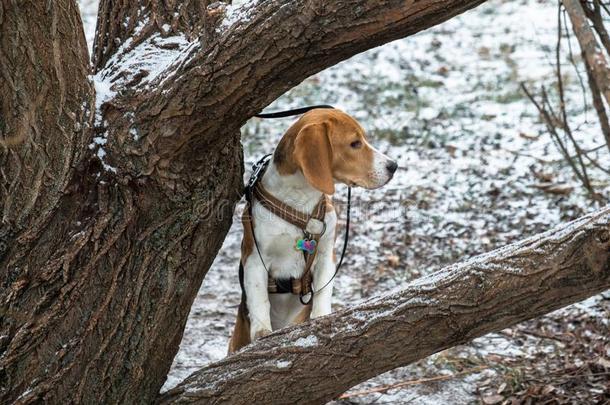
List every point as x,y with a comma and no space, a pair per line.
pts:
242,59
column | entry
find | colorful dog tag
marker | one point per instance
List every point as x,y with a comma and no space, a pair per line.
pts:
306,245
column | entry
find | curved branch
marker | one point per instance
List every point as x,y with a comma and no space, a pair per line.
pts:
322,358
180,96
274,45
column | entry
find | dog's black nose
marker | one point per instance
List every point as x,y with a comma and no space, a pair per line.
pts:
392,166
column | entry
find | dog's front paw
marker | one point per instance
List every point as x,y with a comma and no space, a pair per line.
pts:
318,312
258,332
261,333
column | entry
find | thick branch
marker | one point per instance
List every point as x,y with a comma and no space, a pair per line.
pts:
97,286
317,361
212,86
274,45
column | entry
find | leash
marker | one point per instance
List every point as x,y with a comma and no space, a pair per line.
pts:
293,112
345,239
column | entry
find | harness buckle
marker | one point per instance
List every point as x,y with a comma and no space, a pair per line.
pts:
310,294
257,169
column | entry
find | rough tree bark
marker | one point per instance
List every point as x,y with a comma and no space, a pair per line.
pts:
113,206
316,362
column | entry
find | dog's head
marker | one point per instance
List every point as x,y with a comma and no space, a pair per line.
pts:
328,146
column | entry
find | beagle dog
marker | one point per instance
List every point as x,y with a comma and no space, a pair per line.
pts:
324,147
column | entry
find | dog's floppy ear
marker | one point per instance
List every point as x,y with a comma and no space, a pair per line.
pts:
313,154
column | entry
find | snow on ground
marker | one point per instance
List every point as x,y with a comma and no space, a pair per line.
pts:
446,104
88,13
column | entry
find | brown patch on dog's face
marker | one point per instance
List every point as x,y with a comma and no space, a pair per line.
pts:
329,146
353,156
313,154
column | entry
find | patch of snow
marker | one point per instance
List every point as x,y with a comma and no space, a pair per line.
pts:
283,364
88,12
103,93
308,341
238,11
150,59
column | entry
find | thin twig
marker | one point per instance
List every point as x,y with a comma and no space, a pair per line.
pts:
573,62
562,104
548,120
388,387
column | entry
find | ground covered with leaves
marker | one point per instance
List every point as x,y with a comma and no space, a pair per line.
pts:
477,171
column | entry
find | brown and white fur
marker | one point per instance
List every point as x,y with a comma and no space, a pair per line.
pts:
324,147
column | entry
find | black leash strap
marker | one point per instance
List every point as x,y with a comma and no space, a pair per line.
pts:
349,203
293,112
345,240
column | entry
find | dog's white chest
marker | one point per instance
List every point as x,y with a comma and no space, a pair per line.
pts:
277,241
282,258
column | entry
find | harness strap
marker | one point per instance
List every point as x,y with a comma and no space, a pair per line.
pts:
283,286
303,285
280,209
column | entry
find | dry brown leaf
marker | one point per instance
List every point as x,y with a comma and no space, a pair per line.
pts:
561,189
493,399
528,136
393,260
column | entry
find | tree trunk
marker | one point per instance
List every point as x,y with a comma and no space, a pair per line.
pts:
317,361
99,268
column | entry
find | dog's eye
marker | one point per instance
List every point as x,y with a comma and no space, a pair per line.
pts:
356,144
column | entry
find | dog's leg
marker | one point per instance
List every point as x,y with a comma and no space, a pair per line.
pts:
241,332
255,283
323,273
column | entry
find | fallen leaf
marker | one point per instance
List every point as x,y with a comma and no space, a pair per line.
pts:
493,399
561,189
548,389
528,136
393,260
